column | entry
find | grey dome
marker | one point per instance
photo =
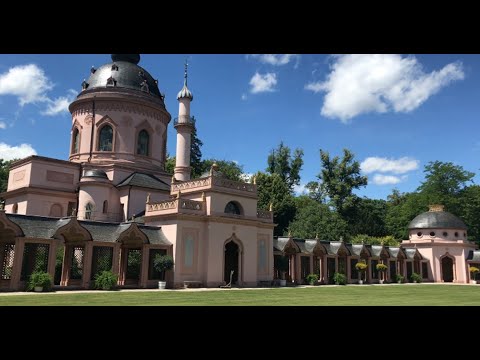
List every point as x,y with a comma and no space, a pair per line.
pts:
125,73
95,173
437,220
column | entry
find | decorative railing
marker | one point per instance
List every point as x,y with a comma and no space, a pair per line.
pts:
192,184
236,185
263,214
176,204
184,120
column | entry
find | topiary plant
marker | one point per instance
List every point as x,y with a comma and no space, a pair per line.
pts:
312,279
40,279
339,279
106,280
162,263
416,278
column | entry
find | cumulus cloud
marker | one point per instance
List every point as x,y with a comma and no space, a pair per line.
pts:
28,82
359,84
383,165
246,176
276,59
59,104
263,83
8,152
3,125
380,179
244,96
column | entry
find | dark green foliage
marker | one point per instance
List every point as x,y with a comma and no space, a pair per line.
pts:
163,262
369,217
339,279
338,178
281,162
106,280
40,278
273,190
313,218
470,212
312,279
170,164
416,278
229,169
196,155
372,240
280,263
4,169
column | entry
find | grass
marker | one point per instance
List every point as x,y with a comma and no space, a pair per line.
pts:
321,295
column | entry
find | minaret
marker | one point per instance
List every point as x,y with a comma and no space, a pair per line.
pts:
184,125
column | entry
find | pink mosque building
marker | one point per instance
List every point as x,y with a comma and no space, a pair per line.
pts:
112,206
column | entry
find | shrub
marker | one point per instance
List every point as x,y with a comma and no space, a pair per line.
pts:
399,278
474,270
106,280
40,278
381,267
416,277
339,279
312,278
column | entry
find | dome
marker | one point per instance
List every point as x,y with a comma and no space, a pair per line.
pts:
123,72
95,174
185,93
437,219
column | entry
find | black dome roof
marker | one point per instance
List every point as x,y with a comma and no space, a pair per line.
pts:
436,220
124,73
95,173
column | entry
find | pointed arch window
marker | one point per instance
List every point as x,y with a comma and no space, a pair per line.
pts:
76,141
89,211
142,143
105,138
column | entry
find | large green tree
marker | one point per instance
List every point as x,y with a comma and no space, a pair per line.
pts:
316,219
281,162
272,189
369,217
229,169
338,178
470,212
4,169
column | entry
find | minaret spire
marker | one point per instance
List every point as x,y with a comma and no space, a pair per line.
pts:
184,125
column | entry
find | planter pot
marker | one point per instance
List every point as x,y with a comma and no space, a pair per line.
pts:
360,282
399,281
38,289
380,281
473,281
283,282
162,284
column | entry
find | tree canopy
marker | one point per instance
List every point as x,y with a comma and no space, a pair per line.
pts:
281,162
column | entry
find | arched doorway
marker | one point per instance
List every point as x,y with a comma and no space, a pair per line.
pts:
447,269
232,252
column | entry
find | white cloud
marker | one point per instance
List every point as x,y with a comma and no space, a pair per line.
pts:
245,177
3,125
300,189
244,97
28,82
8,152
379,179
263,83
383,165
276,59
359,84
60,104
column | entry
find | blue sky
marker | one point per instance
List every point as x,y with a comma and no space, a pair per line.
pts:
395,112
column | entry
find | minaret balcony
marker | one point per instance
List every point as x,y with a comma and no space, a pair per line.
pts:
184,120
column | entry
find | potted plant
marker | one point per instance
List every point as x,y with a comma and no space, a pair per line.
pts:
281,264
399,278
40,281
473,271
339,278
361,267
381,268
162,263
106,280
416,278
312,279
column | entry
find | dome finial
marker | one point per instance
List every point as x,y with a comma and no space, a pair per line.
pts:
186,72
185,93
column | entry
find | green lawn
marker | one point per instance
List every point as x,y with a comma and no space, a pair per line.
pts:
321,295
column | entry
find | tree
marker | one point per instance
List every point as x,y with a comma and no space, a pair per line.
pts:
170,164
280,162
374,240
4,170
314,218
369,217
443,183
271,189
470,211
338,180
229,169
196,155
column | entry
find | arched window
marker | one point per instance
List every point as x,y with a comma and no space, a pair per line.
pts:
56,210
105,139
15,208
76,141
89,211
233,208
142,143
105,206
